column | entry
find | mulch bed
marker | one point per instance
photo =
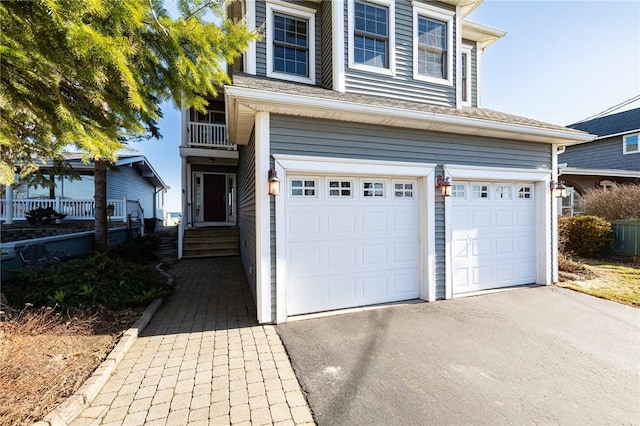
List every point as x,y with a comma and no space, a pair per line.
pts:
46,355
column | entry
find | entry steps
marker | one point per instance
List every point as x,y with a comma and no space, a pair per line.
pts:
211,242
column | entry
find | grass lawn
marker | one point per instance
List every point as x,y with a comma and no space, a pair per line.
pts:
606,278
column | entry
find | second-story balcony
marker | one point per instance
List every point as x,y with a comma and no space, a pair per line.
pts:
208,135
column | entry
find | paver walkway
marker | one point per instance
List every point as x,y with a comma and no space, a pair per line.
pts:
203,359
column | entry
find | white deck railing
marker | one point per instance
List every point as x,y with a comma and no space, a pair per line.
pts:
209,136
74,209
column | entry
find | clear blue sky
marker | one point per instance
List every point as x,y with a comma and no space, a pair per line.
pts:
560,62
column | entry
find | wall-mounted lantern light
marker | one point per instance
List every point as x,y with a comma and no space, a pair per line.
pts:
559,190
274,183
445,185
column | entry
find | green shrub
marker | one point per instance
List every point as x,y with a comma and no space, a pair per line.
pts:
43,216
620,202
98,280
139,250
584,235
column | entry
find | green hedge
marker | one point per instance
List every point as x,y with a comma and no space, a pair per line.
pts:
584,235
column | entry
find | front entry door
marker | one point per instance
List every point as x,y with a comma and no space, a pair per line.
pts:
215,198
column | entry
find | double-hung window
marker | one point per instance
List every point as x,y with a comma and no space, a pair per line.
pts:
433,44
371,38
290,43
631,144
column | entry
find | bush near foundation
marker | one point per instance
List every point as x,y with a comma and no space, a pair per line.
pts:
584,235
619,202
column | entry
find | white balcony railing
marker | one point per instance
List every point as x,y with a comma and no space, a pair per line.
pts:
74,209
209,136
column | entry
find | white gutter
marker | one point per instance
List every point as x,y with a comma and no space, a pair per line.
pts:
599,172
250,97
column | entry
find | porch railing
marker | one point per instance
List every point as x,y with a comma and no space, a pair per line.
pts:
209,136
74,209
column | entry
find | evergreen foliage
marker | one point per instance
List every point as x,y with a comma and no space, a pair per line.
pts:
91,74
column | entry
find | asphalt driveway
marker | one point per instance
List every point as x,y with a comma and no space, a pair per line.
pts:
536,355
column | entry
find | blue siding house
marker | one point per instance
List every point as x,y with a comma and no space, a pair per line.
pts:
353,155
134,189
612,158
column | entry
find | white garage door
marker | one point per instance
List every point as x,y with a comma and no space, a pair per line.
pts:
350,242
493,235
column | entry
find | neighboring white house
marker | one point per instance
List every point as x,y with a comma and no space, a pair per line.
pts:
362,112
134,189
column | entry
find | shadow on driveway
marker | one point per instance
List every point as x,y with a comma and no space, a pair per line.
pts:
534,355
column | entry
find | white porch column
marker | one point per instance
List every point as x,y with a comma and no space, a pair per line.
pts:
9,207
263,218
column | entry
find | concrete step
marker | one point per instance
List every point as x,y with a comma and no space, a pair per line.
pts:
209,253
205,245
211,242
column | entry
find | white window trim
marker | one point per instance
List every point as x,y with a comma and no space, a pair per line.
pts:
545,227
426,11
390,5
624,144
423,172
466,50
298,12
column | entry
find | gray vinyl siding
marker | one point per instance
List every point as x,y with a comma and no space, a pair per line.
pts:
246,205
326,47
325,138
127,182
402,85
261,46
600,154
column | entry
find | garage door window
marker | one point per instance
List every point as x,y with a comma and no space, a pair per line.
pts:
480,191
373,189
340,188
525,192
503,192
403,190
303,187
459,190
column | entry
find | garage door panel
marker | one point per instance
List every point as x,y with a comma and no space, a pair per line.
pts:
357,250
341,257
492,240
303,224
374,222
375,254
339,223
316,294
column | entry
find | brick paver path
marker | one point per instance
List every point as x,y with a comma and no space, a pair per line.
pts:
203,359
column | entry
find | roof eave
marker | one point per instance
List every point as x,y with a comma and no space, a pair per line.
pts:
247,101
481,34
599,172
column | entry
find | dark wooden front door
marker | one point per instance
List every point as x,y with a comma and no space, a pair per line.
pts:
215,198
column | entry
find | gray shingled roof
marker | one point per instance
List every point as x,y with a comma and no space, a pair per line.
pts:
284,87
613,124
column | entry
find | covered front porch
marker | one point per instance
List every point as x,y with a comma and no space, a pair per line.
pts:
122,210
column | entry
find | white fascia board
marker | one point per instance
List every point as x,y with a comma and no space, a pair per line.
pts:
313,106
350,166
599,172
613,135
482,34
496,173
143,159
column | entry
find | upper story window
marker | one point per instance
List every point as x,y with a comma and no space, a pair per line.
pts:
432,44
291,42
371,35
631,144
465,76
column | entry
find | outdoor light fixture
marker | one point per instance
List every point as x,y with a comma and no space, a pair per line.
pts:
559,190
445,185
274,183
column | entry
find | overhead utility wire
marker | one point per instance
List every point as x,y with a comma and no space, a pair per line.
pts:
612,109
